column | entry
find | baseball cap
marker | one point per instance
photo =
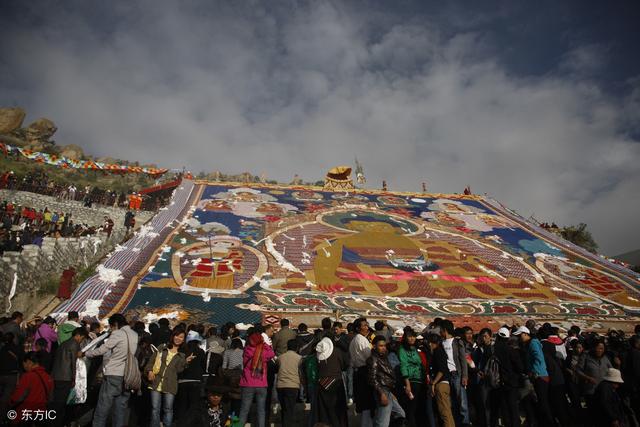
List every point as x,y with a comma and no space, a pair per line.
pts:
522,329
504,332
193,336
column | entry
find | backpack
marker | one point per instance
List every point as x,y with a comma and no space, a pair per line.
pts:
132,377
492,372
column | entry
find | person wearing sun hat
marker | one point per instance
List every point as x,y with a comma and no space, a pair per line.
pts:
591,369
332,398
609,409
537,370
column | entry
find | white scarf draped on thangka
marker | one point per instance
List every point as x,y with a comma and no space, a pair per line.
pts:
109,275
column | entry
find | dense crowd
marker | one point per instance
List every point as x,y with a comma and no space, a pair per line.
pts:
39,182
25,225
155,374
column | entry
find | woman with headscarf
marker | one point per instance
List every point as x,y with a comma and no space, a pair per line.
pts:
253,383
332,399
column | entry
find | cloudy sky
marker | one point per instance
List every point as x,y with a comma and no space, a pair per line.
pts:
534,103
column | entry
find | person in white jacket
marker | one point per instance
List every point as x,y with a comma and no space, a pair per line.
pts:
121,340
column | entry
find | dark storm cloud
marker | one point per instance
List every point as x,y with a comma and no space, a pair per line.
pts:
447,96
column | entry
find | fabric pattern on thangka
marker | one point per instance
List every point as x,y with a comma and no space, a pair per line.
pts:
99,294
248,251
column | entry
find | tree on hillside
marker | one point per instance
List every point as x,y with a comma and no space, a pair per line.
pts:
579,235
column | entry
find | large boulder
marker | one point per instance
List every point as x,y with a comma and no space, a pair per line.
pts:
40,131
11,119
72,151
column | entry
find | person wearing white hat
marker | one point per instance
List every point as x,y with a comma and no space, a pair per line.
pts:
504,332
591,370
613,375
608,409
537,370
522,330
332,398
193,336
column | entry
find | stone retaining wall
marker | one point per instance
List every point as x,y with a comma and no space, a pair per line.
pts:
79,213
37,265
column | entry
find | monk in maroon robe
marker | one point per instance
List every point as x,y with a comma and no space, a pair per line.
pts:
66,281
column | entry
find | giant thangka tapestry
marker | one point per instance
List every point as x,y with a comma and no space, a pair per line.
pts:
251,253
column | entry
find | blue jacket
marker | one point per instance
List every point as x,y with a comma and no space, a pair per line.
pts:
535,359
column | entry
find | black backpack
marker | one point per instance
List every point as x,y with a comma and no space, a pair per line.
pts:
492,376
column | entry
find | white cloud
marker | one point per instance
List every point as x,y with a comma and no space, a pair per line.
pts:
304,89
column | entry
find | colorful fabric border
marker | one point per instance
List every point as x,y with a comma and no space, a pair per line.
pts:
67,163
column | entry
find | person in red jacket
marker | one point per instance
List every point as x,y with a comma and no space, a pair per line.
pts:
33,389
32,215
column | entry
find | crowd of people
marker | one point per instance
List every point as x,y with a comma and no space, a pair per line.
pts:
25,225
39,182
137,374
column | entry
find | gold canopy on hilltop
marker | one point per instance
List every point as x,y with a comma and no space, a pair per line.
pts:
338,179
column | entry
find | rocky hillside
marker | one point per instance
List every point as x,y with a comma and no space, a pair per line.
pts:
38,136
